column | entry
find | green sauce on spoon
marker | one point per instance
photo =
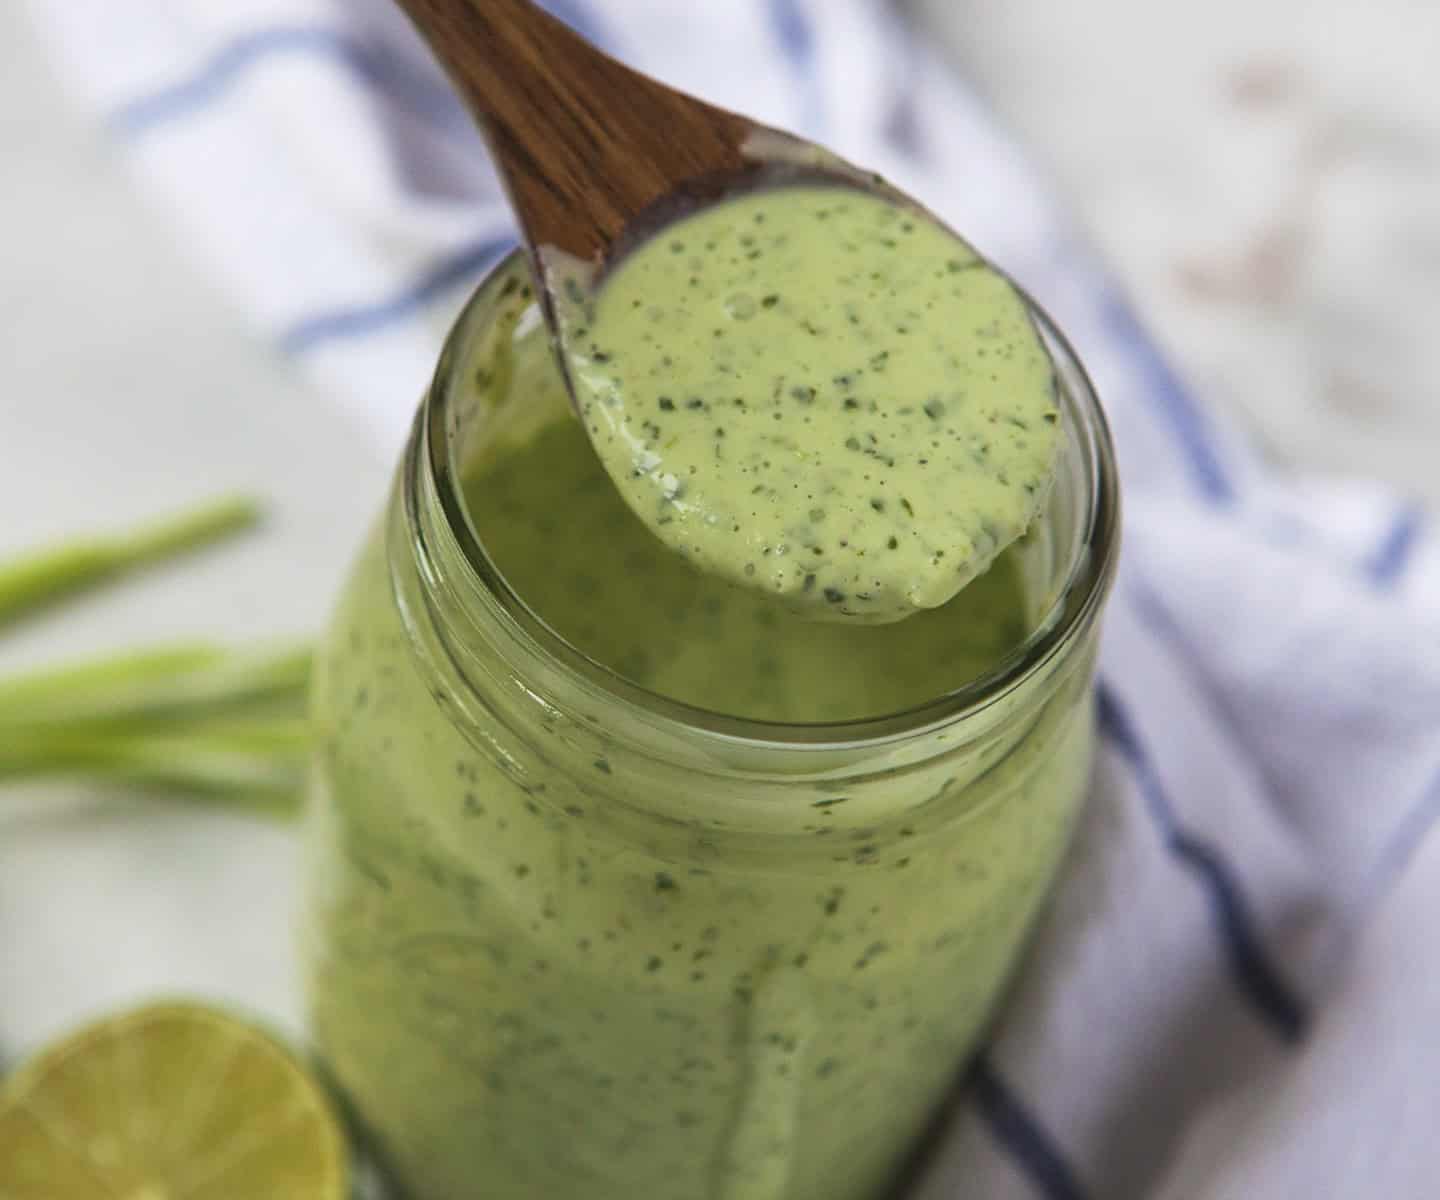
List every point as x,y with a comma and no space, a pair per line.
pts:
822,395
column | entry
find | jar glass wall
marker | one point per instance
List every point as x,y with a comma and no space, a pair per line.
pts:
571,936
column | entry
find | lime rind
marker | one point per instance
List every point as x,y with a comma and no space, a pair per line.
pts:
173,1101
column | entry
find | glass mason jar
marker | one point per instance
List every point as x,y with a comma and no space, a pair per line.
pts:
568,939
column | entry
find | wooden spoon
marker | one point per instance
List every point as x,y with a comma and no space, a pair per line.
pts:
596,156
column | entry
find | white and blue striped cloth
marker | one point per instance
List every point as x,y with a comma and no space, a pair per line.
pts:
1270,691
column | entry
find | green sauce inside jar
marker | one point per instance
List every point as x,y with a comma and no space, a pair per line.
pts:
559,532
625,880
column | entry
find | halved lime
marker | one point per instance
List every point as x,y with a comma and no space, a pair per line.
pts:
172,1102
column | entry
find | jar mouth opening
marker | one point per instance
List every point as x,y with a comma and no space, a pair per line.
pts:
1089,559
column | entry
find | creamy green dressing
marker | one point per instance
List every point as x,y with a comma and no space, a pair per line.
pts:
547,962
820,395
523,998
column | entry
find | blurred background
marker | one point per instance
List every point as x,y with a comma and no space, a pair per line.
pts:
1264,178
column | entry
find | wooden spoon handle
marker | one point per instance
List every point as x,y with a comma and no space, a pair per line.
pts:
583,143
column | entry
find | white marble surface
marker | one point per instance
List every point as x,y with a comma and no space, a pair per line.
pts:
1267,176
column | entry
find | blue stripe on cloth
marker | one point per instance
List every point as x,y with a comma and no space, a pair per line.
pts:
1258,980
796,36
1021,1135
580,17
1385,566
1186,421
902,128
792,27
357,320
1401,846
421,94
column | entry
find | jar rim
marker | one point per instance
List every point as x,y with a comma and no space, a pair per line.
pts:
1077,603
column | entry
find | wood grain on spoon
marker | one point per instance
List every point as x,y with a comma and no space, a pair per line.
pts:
584,145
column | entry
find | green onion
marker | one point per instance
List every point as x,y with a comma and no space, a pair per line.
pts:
182,683
45,577
193,720
174,767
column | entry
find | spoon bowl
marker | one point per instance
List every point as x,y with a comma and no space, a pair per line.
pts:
752,413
